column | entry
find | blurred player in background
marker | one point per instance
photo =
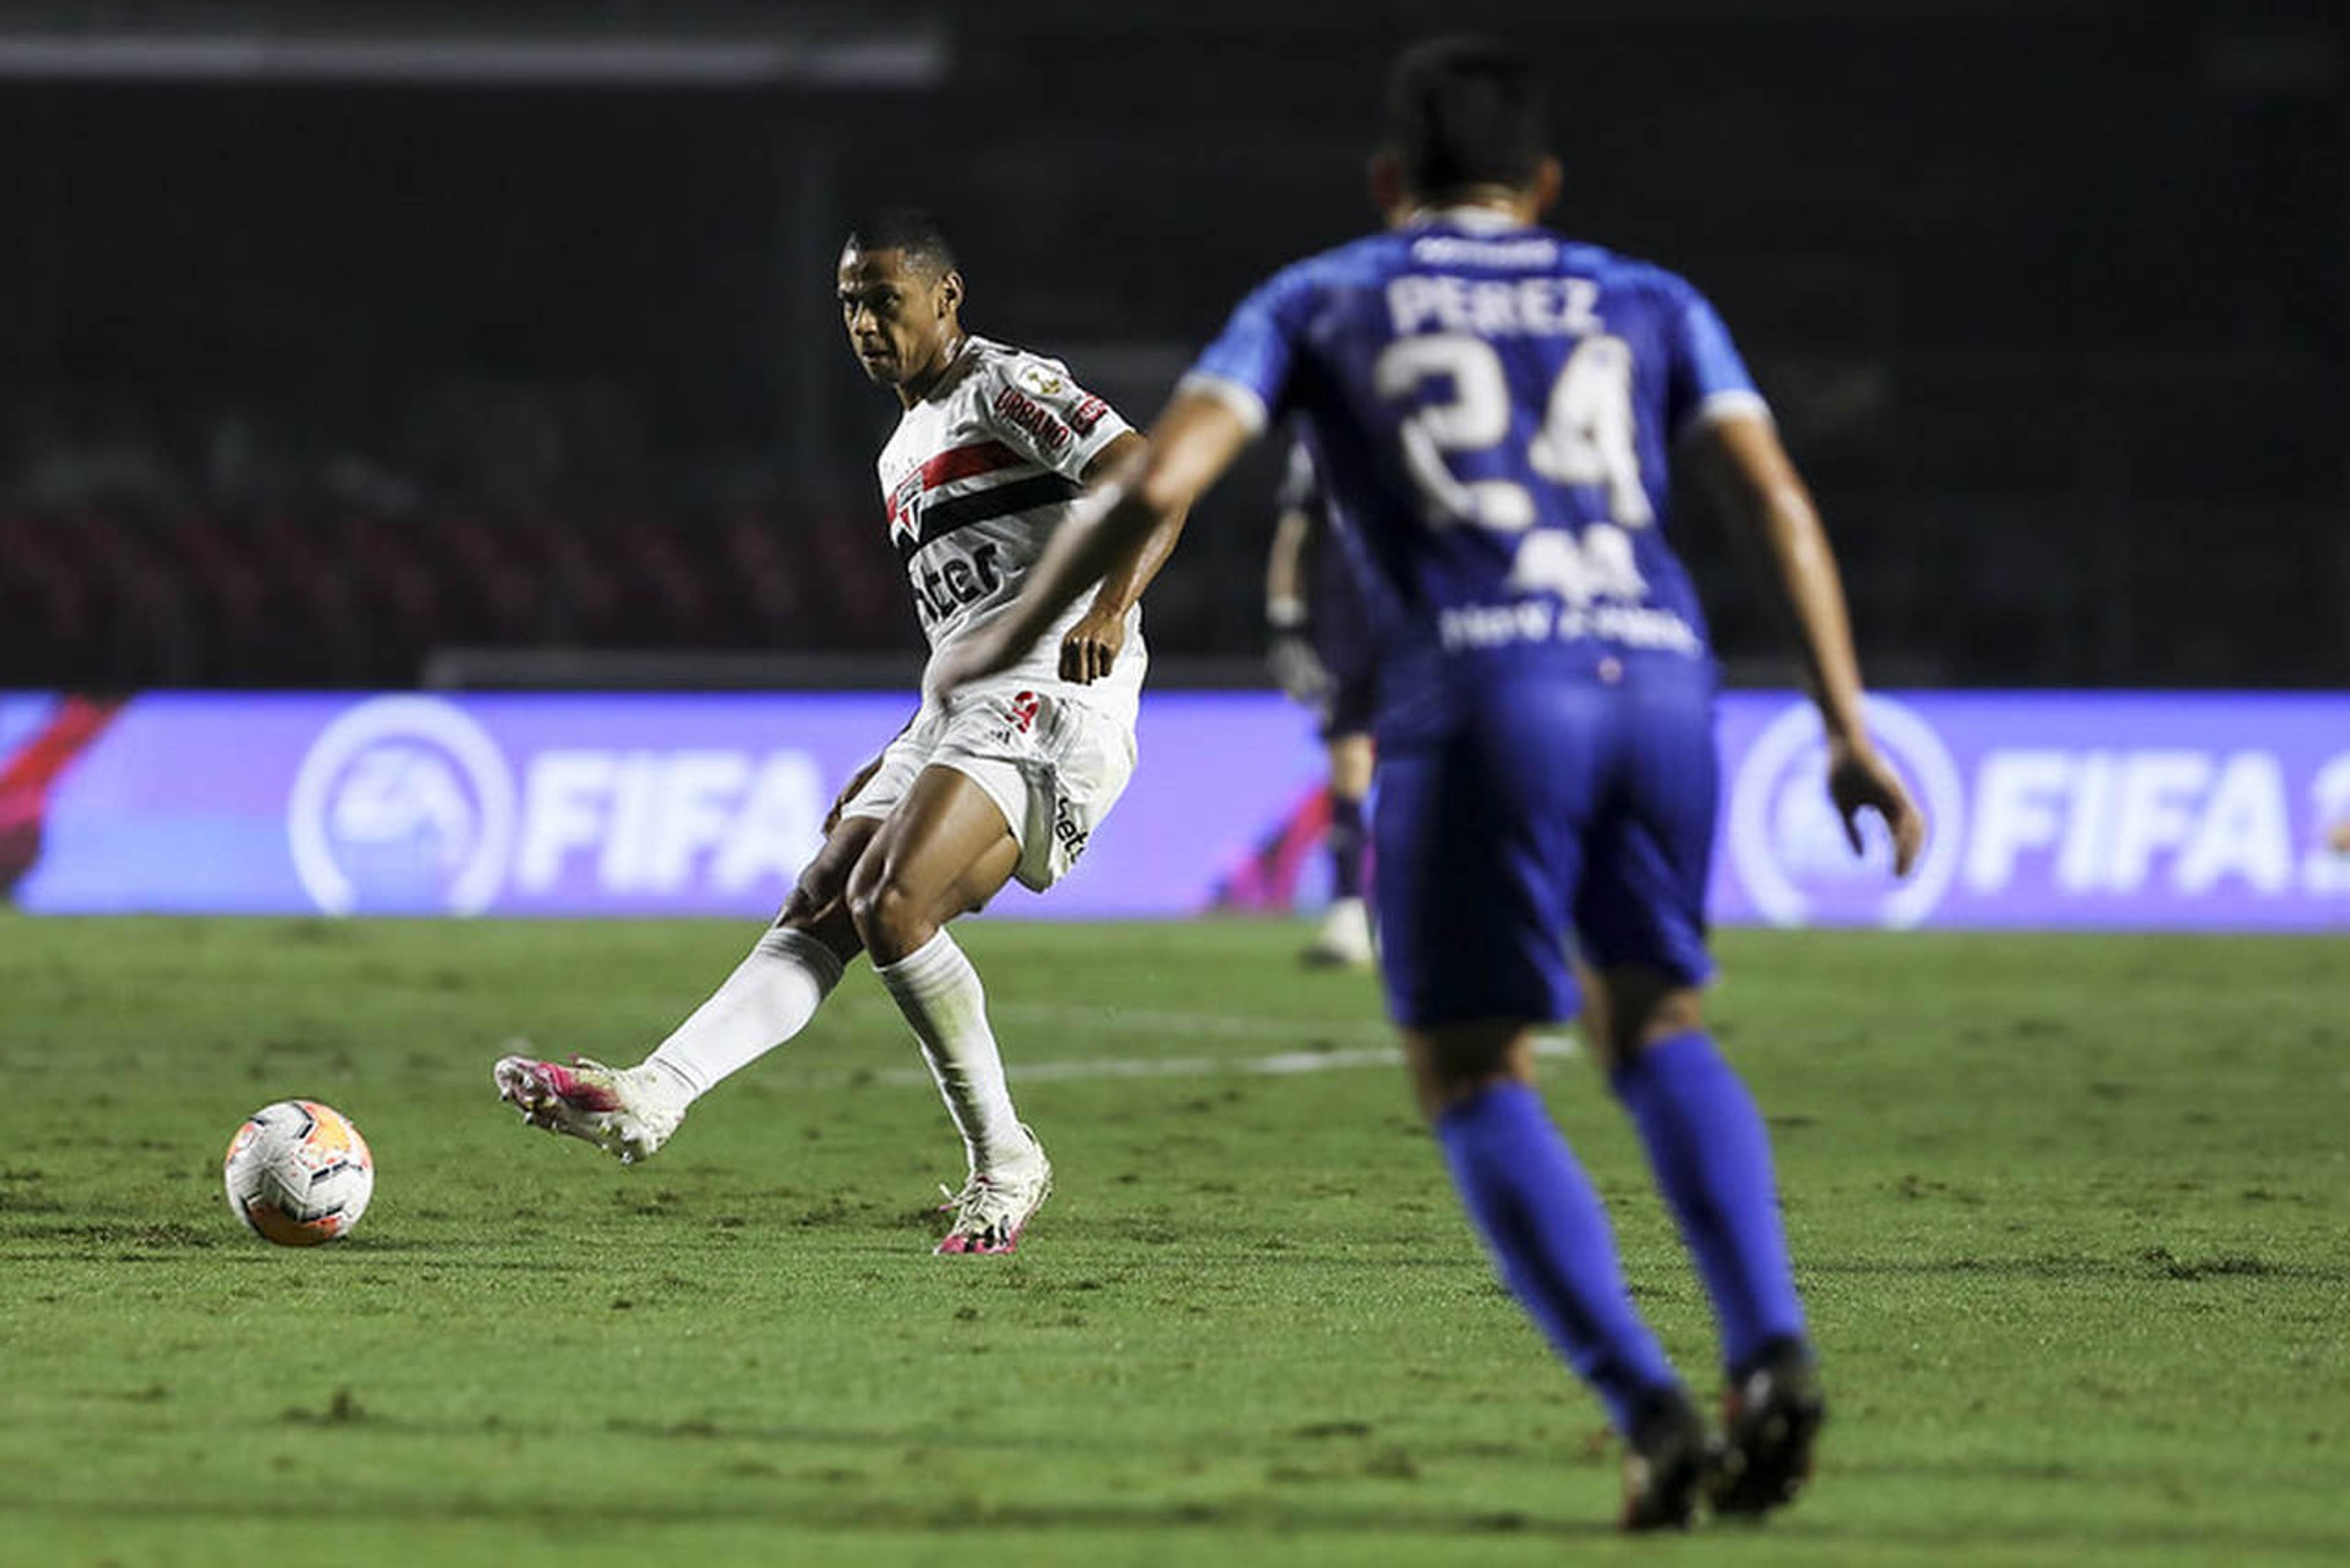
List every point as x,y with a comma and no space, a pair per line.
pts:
1323,657
993,446
1493,408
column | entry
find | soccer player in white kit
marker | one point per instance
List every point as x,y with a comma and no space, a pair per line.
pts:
1008,780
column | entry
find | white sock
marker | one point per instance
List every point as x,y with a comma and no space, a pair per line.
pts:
940,993
769,998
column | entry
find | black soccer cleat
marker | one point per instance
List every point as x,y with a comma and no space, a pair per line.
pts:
1771,1419
1666,1465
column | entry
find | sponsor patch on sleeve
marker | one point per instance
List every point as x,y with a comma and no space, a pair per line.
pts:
1017,409
1041,379
1087,414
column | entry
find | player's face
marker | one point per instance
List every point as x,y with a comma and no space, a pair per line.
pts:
899,317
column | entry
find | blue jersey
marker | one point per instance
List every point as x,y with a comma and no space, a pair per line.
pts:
1491,409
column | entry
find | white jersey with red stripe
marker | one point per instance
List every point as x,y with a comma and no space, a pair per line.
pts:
976,478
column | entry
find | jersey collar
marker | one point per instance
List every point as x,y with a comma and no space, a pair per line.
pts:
1475,220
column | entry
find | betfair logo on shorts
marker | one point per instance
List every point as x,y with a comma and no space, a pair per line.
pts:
1067,832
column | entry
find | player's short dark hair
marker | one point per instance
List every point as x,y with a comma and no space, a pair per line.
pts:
1465,110
912,230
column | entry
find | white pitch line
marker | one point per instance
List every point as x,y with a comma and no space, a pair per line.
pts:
1142,1020
1282,1064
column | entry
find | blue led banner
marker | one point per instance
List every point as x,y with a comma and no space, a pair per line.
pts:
2116,810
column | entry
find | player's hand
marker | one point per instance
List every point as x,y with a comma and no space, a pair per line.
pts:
1859,779
1296,667
1092,646
857,781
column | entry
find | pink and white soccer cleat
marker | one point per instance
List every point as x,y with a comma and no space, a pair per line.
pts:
992,1210
626,1112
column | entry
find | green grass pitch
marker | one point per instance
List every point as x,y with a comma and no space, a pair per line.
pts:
2069,1213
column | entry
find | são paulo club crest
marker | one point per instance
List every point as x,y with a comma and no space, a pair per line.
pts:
403,806
1789,848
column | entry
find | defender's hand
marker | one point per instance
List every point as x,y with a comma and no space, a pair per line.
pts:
1296,667
1092,647
1859,779
857,781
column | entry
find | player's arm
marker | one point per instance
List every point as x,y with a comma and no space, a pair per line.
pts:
1136,511
1746,471
1295,668
1092,646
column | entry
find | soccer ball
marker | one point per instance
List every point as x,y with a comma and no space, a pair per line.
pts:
298,1173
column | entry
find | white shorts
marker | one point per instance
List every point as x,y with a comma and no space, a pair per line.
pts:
1053,768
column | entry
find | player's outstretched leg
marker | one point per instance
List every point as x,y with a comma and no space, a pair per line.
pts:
630,1112
947,849
1712,1155
1549,1236
626,1112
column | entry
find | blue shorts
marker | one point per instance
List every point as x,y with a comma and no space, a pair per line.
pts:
1548,809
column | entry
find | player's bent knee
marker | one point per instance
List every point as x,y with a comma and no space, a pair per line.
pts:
890,920
1634,1009
1452,1063
802,908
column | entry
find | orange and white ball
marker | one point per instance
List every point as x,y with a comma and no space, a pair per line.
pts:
298,1173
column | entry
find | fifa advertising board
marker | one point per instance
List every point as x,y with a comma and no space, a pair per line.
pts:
2114,810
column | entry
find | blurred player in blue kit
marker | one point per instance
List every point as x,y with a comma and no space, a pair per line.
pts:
1322,655
1493,408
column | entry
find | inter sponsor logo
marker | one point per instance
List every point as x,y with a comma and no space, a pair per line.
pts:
946,586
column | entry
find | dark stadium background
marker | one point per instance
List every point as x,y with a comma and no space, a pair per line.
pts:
363,346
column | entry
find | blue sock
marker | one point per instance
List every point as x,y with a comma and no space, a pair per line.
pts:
1549,1236
1712,1157
1349,845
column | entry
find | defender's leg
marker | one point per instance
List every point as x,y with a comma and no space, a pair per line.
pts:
1548,1233
1345,939
1478,853
947,849
1712,1155
1709,1147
